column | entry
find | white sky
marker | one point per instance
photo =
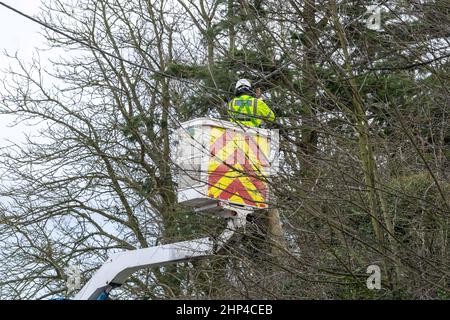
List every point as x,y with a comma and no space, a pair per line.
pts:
20,35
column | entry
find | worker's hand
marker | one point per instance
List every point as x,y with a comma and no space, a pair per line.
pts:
258,93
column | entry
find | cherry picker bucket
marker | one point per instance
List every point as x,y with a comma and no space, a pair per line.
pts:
220,161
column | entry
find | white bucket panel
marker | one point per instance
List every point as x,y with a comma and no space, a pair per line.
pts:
194,158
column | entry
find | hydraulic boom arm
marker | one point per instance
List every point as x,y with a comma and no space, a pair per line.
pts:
121,265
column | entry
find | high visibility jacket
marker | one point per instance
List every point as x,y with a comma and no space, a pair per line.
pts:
249,111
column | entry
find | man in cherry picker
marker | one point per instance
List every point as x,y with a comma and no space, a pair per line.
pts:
247,109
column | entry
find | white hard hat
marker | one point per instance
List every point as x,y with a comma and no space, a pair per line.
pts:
243,83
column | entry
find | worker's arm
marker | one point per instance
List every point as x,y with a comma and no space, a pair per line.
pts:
264,111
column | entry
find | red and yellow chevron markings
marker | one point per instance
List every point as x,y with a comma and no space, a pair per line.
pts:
237,166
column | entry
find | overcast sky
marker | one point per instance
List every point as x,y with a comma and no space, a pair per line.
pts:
21,35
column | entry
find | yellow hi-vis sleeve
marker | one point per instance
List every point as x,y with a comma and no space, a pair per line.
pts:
264,111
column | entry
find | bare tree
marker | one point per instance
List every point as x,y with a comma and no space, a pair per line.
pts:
363,119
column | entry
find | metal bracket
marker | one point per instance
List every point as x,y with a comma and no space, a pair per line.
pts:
237,219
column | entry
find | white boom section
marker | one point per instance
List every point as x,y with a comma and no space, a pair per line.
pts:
121,265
